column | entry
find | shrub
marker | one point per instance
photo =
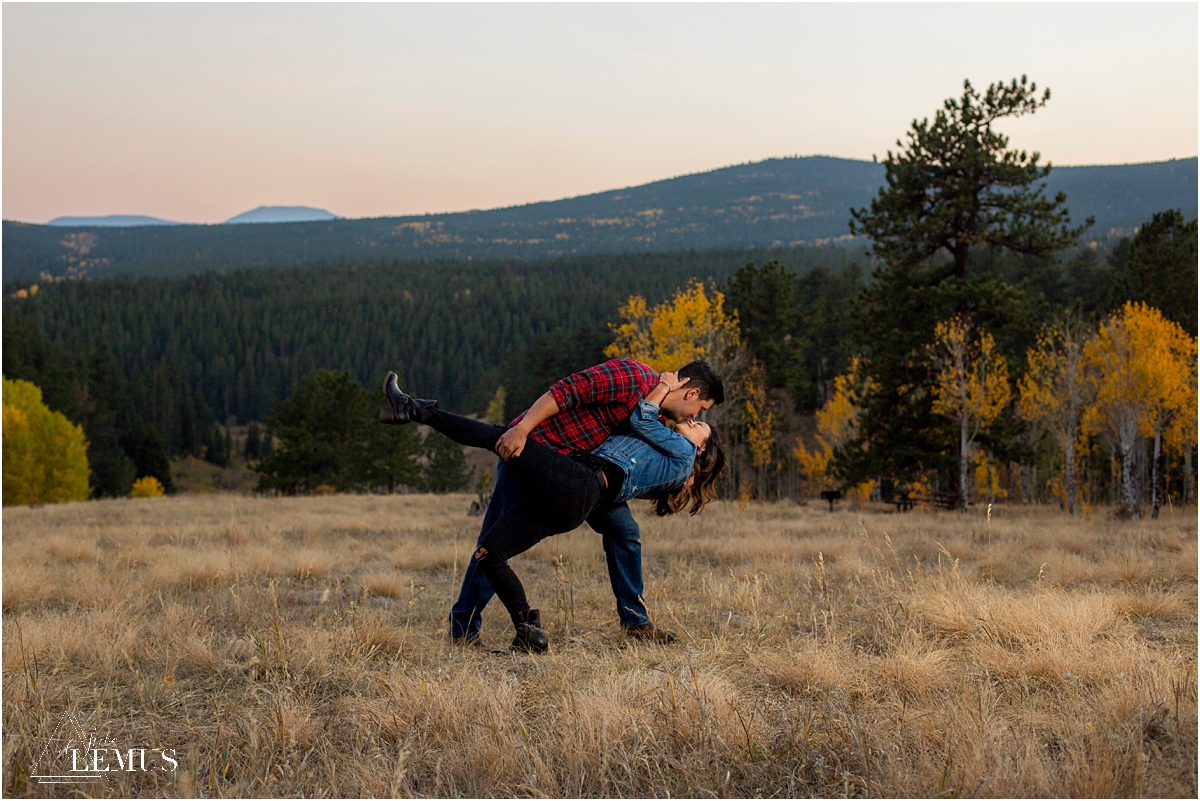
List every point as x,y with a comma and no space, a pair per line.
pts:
147,487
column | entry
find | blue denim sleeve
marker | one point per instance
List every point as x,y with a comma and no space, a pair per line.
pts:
646,426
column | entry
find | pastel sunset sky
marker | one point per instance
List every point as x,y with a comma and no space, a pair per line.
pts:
196,112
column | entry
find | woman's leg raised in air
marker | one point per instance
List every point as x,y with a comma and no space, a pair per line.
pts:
549,475
463,430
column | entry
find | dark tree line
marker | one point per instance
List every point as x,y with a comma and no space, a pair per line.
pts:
133,426
244,340
329,435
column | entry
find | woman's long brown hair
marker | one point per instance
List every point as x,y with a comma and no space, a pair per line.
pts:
709,464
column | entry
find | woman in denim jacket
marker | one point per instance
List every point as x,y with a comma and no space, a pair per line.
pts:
674,468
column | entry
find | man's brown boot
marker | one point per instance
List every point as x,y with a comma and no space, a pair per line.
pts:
648,632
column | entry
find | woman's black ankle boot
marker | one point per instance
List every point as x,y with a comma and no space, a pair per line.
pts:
530,636
401,408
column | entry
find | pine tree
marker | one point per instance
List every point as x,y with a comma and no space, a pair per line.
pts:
771,321
1159,268
391,458
953,189
956,186
325,429
217,451
253,448
145,448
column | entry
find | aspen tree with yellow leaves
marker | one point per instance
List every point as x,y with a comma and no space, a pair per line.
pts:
760,429
837,422
147,487
1169,359
495,409
1181,435
1141,366
1054,389
45,455
971,385
691,325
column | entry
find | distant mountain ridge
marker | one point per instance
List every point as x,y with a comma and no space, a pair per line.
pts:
262,214
282,214
109,221
769,204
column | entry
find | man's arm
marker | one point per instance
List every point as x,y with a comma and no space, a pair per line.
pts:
609,382
614,381
512,441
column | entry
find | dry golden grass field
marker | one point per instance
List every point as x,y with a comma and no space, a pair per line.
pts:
288,647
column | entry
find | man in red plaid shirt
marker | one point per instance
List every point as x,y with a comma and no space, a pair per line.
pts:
577,414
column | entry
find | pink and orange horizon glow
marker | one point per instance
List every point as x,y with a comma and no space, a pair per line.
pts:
197,112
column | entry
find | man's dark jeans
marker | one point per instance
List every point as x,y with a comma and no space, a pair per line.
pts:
622,548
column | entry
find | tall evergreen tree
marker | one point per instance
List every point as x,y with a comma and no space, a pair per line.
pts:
323,430
391,458
956,186
144,445
329,433
953,188
254,441
770,317
1158,267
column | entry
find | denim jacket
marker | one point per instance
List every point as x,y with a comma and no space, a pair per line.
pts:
654,459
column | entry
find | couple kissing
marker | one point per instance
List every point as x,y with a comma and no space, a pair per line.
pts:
593,442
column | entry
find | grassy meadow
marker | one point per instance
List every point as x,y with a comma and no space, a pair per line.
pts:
297,646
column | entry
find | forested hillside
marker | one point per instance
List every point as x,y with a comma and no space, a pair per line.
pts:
774,203
452,330
245,339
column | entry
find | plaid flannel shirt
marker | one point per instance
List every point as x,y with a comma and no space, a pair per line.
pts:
592,403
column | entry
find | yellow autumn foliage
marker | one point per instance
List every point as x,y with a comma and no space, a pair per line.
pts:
1182,432
45,455
1127,360
691,325
987,481
147,487
1055,391
837,420
1142,369
495,409
761,421
971,387
1052,391
814,464
837,424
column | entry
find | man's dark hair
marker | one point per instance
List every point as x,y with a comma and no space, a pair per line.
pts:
702,377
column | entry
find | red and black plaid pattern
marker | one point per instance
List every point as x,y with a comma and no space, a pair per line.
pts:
592,403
